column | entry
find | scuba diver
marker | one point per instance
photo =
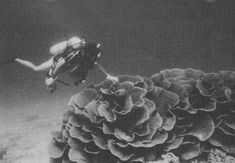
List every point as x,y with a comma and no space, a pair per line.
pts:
74,56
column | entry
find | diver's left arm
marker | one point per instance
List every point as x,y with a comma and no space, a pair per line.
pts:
45,66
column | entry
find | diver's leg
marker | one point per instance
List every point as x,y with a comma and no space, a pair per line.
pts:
42,67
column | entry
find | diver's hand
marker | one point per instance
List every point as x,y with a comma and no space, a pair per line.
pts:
51,85
50,80
112,78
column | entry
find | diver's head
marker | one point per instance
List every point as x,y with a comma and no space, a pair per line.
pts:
75,42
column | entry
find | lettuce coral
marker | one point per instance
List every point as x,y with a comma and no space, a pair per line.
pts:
139,119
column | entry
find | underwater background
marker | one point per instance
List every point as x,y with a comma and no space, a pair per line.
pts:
137,37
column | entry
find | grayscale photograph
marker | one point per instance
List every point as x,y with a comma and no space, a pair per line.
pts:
117,81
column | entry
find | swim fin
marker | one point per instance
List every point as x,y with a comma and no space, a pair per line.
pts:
9,61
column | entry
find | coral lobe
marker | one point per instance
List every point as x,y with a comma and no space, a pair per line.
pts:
140,119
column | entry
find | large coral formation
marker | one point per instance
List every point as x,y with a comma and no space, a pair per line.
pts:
186,112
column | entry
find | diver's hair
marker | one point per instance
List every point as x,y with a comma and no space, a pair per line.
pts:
74,40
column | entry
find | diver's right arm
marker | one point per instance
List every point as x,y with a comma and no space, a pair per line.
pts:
114,79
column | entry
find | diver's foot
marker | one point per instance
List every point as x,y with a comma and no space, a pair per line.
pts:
112,78
9,61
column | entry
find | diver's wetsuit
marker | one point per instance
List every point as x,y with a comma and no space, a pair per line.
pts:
84,61
78,63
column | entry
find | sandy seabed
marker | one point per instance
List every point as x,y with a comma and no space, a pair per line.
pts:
25,133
